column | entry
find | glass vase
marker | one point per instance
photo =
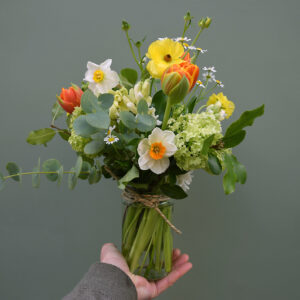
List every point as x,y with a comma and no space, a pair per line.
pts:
147,241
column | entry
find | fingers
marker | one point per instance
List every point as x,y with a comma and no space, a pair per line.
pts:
107,251
176,254
181,267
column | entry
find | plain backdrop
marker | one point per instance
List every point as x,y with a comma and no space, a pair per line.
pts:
244,246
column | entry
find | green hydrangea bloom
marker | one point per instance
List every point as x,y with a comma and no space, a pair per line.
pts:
77,142
191,130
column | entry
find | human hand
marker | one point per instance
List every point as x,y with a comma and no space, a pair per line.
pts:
147,289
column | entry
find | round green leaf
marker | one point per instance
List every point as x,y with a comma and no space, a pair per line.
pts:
12,169
72,179
41,136
106,101
85,170
89,102
94,147
60,175
142,107
36,177
78,166
99,119
51,165
83,128
145,123
128,119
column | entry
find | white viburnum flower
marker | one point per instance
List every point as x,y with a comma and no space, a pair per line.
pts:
100,77
185,180
110,139
155,150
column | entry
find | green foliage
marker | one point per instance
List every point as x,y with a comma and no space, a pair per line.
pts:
214,164
85,170
235,133
60,174
57,111
36,177
99,119
191,104
78,165
128,77
173,191
41,136
83,128
89,102
64,134
106,101
2,182
130,175
142,107
51,165
145,123
128,119
159,101
13,169
72,179
236,172
94,147
206,144
95,175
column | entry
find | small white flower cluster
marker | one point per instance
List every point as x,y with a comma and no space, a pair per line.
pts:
181,39
209,75
217,110
110,139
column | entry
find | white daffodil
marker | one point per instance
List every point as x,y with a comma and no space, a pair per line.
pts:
155,150
185,180
100,77
110,139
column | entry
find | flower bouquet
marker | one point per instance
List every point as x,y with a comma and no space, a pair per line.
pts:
148,130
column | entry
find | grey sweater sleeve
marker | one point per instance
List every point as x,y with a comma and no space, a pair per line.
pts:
103,282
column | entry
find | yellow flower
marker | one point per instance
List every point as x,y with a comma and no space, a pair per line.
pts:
227,105
162,54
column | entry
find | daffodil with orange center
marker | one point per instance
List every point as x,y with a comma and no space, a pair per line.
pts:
155,150
163,54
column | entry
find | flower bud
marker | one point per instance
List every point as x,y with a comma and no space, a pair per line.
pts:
70,98
125,25
207,22
204,22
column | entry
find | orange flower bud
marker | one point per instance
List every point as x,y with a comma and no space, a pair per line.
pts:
190,71
70,98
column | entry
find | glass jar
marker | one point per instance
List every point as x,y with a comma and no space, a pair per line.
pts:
147,241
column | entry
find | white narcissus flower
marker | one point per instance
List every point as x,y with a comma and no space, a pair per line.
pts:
185,180
100,77
155,150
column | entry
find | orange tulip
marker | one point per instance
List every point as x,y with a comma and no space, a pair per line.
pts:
190,71
70,98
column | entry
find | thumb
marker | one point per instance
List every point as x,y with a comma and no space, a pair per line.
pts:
111,255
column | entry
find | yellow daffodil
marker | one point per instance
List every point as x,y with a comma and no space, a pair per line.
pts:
227,105
163,54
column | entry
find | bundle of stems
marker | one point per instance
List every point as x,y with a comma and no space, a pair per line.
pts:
147,241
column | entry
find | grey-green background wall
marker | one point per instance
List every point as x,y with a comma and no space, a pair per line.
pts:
243,247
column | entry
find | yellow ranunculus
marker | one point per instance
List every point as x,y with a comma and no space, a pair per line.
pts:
227,105
162,54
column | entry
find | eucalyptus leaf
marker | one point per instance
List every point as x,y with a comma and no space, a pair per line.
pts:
89,102
85,170
142,107
128,77
41,136
145,123
94,147
51,165
94,176
13,169
214,164
173,191
57,111
78,165
128,119
72,179
36,178
130,175
99,119
2,182
60,174
159,101
106,101
82,127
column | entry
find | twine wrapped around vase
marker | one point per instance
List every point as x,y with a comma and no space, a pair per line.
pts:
151,201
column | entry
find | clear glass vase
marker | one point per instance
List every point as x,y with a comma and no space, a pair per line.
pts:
147,241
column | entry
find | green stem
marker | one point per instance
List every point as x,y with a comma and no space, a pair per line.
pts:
30,173
167,114
194,41
132,51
